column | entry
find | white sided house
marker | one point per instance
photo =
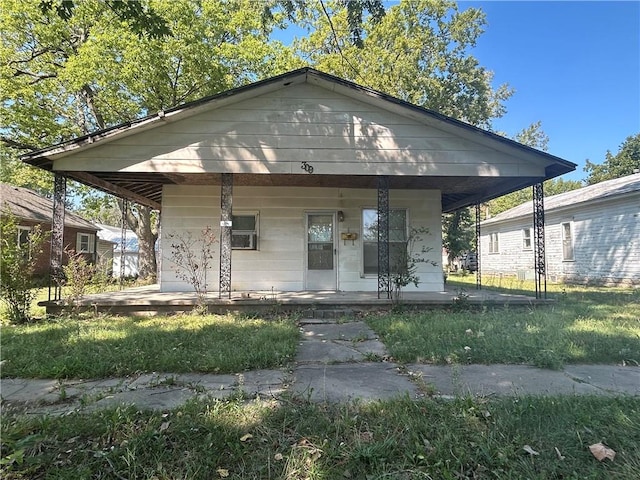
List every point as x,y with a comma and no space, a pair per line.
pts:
295,174
592,235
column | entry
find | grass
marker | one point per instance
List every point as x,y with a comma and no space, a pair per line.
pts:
118,346
584,325
399,439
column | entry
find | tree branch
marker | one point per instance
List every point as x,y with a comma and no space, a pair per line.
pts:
9,142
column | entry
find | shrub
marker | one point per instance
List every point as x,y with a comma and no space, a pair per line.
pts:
17,267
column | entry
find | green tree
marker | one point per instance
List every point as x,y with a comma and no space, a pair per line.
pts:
66,75
419,51
625,162
458,233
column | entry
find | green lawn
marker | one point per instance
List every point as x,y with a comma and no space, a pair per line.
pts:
118,346
400,439
584,325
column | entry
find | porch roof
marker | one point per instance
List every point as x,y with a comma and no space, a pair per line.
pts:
528,166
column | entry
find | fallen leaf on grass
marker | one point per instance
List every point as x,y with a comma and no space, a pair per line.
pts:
164,426
601,451
278,457
529,450
223,472
560,456
246,437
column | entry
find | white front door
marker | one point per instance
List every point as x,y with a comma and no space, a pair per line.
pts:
320,252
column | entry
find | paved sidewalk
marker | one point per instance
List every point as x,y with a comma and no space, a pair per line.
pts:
335,362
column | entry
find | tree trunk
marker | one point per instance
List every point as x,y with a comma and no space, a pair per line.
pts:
147,264
144,224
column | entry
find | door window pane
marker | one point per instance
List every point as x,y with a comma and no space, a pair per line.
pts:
320,242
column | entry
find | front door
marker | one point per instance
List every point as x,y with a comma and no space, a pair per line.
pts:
321,252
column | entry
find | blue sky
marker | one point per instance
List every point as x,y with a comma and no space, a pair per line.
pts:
575,66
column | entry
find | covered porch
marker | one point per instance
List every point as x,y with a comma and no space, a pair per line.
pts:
327,177
149,300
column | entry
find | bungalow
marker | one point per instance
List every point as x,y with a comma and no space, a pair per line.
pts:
31,209
312,182
592,236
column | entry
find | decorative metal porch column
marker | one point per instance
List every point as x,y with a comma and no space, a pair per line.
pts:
123,239
56,275
478,273
538,234
384,276
226,222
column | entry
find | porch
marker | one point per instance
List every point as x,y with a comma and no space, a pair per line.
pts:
149,300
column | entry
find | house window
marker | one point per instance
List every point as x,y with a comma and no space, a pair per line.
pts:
244,232
397,240
23,236
567,241
85,243
526,239
494,247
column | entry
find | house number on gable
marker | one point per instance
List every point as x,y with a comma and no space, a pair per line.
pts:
306,167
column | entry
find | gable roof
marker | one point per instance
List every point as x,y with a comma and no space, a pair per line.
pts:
457,191
113,234
26,204
609,189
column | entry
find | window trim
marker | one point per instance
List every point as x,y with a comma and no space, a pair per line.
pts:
571,238
20,229
362,235
525,238
255,232
91,241
494,243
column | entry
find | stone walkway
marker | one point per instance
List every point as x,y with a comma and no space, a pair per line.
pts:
335,362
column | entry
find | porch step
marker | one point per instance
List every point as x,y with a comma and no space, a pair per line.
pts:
328,314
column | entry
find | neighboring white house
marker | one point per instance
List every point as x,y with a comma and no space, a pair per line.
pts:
128,256
592,235
292,172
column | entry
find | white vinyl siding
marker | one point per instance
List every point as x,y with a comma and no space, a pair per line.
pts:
289,130
281,262
605,244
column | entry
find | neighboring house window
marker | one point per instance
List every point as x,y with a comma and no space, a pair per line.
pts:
244,232
494,247
397,239
23,235
526,239
567,241
85,243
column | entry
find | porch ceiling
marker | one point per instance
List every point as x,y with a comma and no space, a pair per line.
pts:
457,192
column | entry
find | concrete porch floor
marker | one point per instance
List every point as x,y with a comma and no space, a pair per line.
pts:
150,300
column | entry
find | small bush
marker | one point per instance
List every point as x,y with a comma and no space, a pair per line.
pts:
17,267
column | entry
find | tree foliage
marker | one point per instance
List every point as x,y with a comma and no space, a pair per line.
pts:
625,162
64,75
457,232
418,51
